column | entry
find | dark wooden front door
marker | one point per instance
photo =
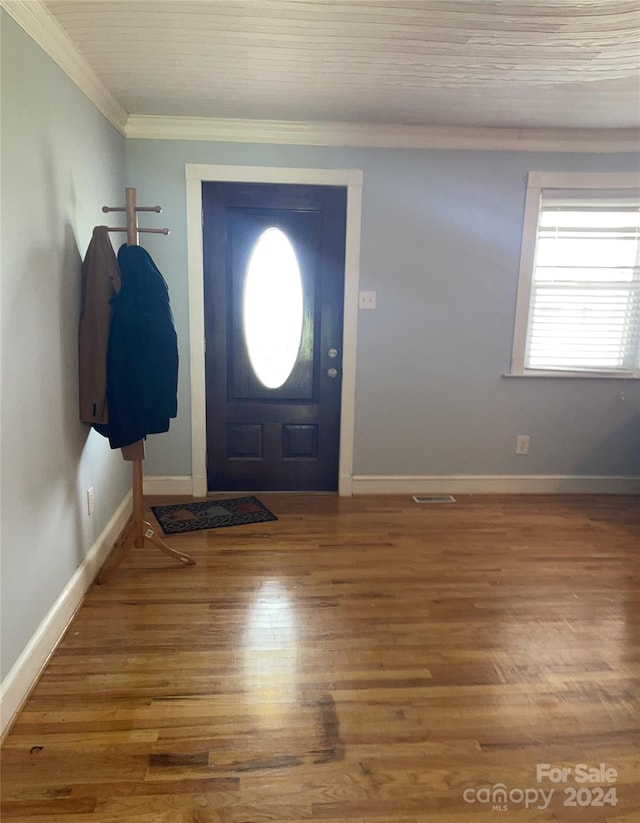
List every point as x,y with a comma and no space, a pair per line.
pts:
273,334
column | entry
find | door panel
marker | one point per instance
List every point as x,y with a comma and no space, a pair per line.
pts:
286,437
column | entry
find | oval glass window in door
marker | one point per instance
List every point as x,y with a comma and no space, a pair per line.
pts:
273,308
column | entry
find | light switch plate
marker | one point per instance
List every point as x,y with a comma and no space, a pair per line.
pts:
367,300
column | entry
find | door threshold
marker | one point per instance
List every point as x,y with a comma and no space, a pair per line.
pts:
269,491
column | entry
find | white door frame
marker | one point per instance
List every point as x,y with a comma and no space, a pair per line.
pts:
196,174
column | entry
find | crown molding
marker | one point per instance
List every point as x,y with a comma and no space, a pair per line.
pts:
370,135
44,29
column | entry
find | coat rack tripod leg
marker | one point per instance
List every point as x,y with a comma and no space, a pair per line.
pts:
140,530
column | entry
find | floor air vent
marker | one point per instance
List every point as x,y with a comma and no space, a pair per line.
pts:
434,498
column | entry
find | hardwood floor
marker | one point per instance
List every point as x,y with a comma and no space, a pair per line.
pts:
365,660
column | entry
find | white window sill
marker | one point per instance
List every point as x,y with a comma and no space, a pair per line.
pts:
572,375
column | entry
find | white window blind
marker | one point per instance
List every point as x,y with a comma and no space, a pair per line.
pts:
584,310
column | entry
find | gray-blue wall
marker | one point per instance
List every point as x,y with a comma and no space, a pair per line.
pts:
441,234
61,161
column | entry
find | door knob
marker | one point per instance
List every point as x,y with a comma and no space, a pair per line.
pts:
333,352
333,373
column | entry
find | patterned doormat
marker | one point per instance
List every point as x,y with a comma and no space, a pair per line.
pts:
211,514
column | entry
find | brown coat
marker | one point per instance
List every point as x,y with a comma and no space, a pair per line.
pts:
100,282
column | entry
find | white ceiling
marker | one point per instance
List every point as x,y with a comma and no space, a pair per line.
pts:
475,63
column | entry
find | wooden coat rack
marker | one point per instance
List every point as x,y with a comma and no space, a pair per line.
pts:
138,530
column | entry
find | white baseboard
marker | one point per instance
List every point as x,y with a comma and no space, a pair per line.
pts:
495,484
436,484
17,685
180,484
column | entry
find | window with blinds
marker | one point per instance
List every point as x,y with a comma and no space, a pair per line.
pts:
581,283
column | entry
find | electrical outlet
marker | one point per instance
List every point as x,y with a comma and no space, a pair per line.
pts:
522,444
90,501
367,300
